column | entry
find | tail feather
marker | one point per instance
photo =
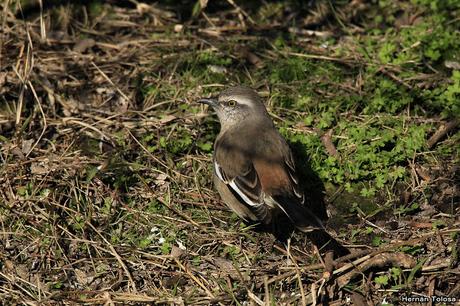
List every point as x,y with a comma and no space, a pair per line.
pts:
300,215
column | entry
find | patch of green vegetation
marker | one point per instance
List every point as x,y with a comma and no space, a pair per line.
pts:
117,173
95,8
447,97
290,69
202,67
403,210
155,207
196,261
433,37
416,270
370,130
269,11
395,278
367,233
160,90
231,250
382,280
107,206
413,250
376,148
26,191
77,222
414,47
144,242
166,248
57,285
385,96
178,141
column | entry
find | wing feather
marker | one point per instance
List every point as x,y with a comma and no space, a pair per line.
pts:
265,184
246,185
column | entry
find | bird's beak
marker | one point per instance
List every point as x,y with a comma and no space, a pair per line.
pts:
210,102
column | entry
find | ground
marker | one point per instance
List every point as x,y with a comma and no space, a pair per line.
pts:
106,194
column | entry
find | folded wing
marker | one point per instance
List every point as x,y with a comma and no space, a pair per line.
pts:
265,186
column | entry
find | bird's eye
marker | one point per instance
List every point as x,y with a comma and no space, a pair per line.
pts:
231,103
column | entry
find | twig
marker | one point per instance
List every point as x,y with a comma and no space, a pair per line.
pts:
394,77
241,11
442,131
380,261
88,126
110,81
346,61
255,298
299,278
43,115
326,139
185,217
194,278
365,254
115,254
149,153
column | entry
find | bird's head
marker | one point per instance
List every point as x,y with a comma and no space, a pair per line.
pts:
237,104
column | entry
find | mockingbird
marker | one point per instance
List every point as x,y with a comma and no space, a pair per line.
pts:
254,169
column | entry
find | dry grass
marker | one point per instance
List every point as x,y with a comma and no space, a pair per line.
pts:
94,207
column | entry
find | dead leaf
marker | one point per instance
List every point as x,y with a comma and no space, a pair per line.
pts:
82,277
167,118
84,45
225,267
27,145
452,65
326,139
178,28
2,79
39,168
18,153
177,252
161,179
203,4
217,69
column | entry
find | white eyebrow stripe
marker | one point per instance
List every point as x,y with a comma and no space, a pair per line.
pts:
239,99
244,101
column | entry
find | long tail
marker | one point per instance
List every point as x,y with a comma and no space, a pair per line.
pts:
301,216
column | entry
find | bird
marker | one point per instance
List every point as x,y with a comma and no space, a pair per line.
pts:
254,169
